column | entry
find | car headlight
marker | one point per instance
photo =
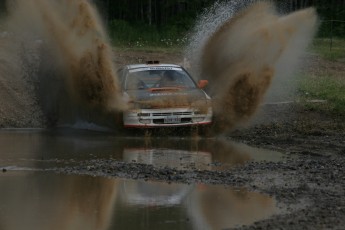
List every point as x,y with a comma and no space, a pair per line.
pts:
198,119
201,106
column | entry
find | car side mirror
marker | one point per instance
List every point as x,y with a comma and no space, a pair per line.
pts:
202,83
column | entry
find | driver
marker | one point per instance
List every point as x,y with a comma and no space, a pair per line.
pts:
168,79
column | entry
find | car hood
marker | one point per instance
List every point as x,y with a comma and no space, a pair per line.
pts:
167,98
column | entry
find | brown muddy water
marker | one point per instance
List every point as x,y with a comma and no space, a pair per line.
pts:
34,197
41,149
33,200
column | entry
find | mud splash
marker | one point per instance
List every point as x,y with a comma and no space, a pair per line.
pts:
74,71
245,53
61,50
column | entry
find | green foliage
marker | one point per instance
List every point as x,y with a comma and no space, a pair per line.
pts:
332,17
328,88
140,35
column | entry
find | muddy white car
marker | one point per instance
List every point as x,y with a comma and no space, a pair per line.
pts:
163,95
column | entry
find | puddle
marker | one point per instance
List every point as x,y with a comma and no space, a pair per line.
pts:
36,200
44,149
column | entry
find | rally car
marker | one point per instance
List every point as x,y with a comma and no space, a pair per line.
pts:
163,95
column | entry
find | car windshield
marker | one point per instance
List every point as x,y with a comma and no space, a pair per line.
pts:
145,78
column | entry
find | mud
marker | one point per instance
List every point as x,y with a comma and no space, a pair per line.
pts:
243,57
60,53
308,185
69,69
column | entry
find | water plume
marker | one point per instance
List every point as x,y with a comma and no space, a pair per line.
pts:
245,53
75,70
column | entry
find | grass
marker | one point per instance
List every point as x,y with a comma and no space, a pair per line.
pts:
325,85
327,88
330,49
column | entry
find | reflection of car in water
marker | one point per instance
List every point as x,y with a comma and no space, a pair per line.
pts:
172,158
162,194
154,193
206,207
163,95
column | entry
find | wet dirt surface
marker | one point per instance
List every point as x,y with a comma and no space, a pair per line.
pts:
315,177
307,183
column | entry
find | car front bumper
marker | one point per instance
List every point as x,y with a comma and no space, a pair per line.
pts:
176,117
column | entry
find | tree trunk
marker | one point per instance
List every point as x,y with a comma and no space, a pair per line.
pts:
149,12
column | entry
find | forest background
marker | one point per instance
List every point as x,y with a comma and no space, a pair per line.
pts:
137,23
168,22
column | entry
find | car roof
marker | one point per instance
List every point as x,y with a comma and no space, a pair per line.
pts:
136,66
